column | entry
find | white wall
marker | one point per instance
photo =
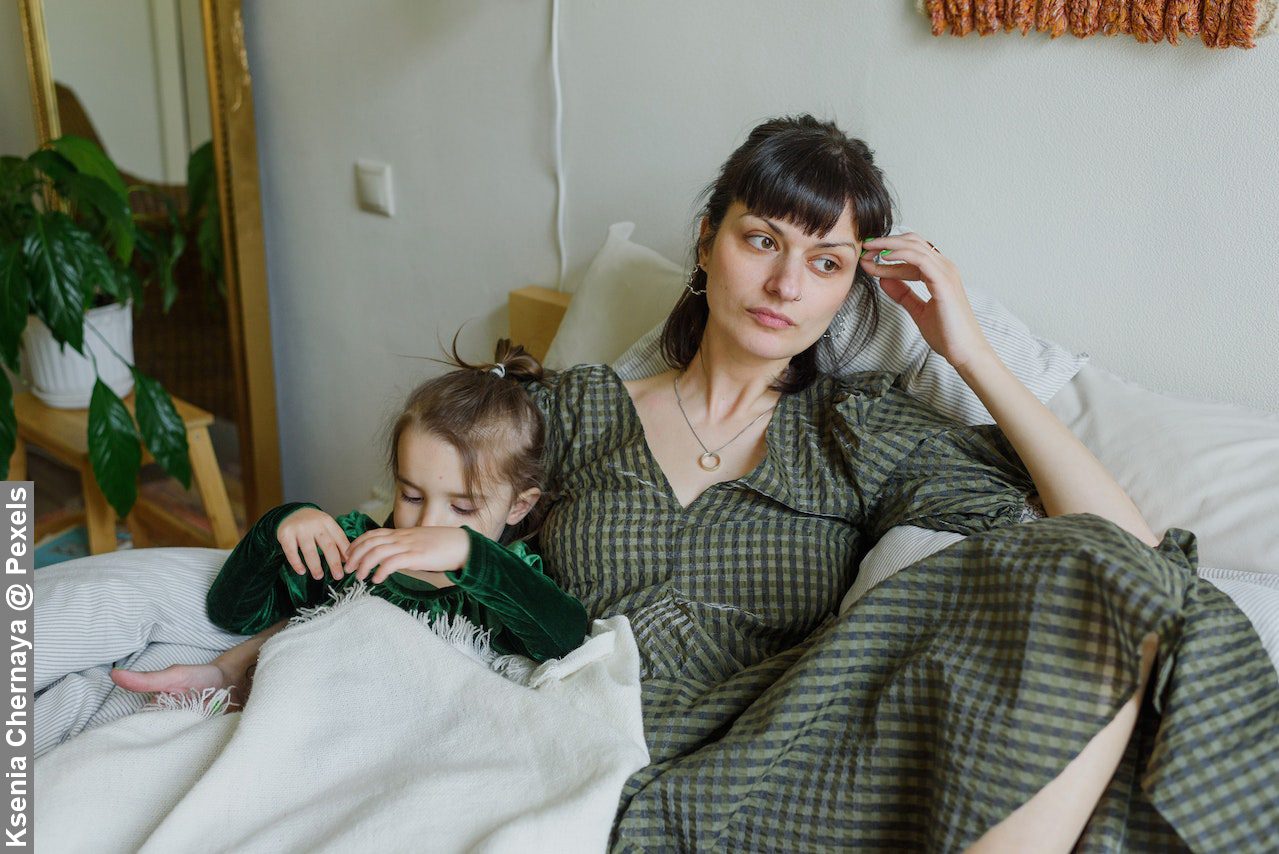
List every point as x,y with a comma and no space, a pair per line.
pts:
1119,197
17,122
106,53
453,96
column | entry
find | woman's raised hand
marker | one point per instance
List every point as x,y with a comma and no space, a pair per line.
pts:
305,535
424,552
946,320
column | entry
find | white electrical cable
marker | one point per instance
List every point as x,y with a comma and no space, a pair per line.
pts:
559,142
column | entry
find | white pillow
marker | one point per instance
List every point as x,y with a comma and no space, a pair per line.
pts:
626,289
898,347
1210,468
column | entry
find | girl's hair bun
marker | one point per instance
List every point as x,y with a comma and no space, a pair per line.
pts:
510,361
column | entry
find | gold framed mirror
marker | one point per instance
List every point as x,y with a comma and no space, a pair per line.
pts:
215,350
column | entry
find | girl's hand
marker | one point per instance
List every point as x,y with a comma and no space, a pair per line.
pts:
946,320
308,533
424,553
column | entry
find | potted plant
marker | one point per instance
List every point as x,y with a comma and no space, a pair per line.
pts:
69,244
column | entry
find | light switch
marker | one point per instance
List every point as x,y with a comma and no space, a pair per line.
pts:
373,185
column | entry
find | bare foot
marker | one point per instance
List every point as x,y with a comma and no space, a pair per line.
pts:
179,678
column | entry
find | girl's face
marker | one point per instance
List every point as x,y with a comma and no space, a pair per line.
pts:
772,289
431,490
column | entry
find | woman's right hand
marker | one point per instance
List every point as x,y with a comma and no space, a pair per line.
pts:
305,535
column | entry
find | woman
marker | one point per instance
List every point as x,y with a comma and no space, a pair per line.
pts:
992,695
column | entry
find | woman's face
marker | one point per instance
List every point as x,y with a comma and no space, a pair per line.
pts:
771,288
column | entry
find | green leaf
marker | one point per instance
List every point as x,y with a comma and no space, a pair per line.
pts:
208,242
163,249
114,451
90,193
168,281
89,159
11,168
200,175
17,178
99,272
162,428
131,285
8,425
203,215
54,166
117,217
56,250
15,303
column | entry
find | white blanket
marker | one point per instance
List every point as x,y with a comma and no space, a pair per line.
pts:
365,731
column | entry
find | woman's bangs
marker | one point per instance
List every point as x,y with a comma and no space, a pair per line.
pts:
806,191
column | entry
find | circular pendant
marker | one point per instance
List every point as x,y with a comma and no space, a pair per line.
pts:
708,461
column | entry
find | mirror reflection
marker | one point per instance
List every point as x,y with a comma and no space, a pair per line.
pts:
130,76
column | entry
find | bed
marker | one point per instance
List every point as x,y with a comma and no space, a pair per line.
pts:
145,608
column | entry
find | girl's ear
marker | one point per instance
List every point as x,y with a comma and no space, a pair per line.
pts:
522,504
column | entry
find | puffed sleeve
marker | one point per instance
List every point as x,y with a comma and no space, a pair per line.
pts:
511,595
558,397
914,466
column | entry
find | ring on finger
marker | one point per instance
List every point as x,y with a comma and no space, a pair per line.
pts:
935,249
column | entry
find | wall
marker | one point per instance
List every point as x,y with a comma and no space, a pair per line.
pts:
1118,197
17,123
453,95
106,53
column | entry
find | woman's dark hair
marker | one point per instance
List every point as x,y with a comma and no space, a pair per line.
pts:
806,172
484,412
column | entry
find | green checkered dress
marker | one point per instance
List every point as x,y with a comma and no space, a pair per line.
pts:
949,694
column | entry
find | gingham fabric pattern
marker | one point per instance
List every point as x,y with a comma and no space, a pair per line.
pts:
943,699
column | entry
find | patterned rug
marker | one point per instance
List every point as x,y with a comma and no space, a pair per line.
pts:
72,543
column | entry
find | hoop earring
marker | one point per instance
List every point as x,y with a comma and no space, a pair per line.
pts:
836,327
689,284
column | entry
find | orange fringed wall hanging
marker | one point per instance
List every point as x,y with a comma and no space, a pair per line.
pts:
1218,23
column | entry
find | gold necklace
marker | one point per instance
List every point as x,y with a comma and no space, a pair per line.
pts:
709,460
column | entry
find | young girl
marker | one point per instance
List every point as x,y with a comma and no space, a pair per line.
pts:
466,457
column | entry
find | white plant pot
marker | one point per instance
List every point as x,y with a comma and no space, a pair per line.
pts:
64,379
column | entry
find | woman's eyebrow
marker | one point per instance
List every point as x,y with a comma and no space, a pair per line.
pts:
825,245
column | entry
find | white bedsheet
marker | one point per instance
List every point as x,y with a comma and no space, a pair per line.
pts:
365,731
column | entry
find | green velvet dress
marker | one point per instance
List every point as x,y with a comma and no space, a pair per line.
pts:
501,588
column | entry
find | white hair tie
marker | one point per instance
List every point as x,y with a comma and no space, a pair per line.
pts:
500,370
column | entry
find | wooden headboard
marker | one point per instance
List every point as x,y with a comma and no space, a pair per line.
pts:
536,313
